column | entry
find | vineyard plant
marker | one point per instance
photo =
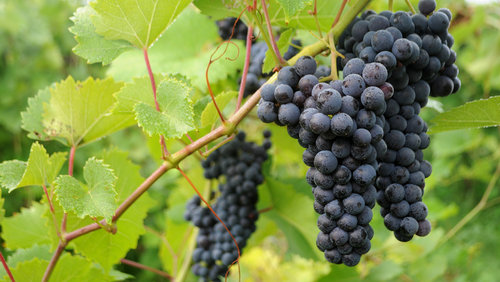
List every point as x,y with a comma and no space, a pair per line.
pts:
249,140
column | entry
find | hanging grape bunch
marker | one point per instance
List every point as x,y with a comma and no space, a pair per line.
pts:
239,163
363,136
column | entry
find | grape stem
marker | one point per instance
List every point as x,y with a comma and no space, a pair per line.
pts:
226,129
279,59
391,4
157,105
410,6
314,13
245,68
479,207
6,267
144,267
339,13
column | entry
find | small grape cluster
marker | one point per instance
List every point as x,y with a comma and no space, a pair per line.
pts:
412,47
226,29
341,126
255,76
239,162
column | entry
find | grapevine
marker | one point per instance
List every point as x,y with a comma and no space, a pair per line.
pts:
347,84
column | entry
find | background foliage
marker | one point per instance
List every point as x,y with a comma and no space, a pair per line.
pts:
35,50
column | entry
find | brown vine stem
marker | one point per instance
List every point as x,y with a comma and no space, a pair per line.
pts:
225,129
53,261
339,13
245,68
144,267
314,13
479,207
276,51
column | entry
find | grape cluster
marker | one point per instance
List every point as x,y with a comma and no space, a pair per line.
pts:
340,124
413,48
226,29
239,162
255,77
416,51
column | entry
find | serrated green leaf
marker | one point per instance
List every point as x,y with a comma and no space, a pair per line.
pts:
185,48
176,116
292,7
11,173
135,92
92,46
139,22
283,44
101,246
326,9
39,170
41,252
209,115
32,119
220,9
96,198
26,228
476,114
81,112
68,269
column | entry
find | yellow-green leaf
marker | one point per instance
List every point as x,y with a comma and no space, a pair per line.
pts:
209,115
139,22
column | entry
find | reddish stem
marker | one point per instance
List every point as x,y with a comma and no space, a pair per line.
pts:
53,261
6,267
212,93
48,198
71,164
339,13
157,105
217,216
245,68
71,160
151,77
265,210
141,266
276,50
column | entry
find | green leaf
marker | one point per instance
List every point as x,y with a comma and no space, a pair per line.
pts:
92,46
327,10
209,115
135,92
97,198
298,225
185,48
139,22
69,268
32,119
11,173
26,228
476,114
220,9
103,247
40,169
41,252
80,112
176,116
283,44
385,271
292,7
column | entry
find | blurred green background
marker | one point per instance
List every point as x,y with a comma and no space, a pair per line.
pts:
35,51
